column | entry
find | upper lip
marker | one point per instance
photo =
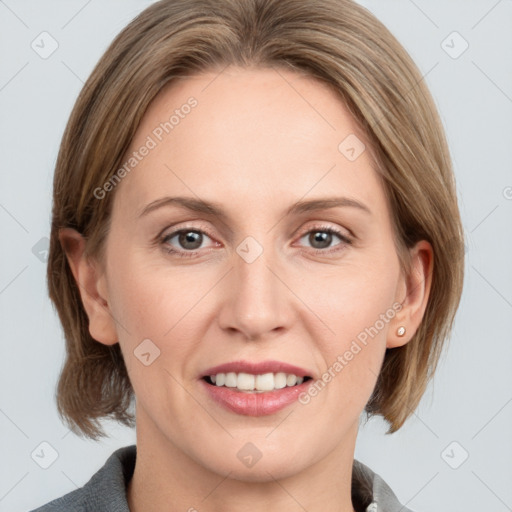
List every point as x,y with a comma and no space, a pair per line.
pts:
257,368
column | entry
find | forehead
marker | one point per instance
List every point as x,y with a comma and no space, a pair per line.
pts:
240,135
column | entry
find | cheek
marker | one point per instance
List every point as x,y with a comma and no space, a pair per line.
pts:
164,305
356,306
155,310
143,305
353,299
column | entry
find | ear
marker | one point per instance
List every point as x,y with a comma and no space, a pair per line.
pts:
412,293
92,286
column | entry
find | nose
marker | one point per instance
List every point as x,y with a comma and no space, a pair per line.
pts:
257,301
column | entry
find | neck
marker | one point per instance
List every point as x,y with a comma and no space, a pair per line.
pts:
166,478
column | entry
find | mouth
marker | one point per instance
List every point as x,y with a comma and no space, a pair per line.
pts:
255,389
255,383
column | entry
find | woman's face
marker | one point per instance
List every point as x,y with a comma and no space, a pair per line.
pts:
256,269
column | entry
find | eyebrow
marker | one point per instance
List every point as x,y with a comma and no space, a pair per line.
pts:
215,209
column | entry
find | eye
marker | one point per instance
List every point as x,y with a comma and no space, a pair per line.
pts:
321,239
186,241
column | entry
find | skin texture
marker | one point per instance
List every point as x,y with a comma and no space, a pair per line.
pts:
258,141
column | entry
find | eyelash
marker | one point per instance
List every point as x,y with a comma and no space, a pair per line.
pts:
317,229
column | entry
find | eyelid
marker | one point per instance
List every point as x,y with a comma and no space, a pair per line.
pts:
322,226
175,229
330,252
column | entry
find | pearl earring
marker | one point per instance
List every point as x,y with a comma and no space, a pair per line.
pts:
400,331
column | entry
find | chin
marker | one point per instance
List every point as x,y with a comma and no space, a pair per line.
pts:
261,472
248,464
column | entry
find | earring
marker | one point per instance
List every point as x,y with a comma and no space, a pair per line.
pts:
400,331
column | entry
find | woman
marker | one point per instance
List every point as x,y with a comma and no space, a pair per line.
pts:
255,235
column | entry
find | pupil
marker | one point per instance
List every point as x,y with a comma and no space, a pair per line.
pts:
190,240
322,237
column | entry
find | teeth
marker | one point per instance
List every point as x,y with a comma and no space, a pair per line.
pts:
265,382
280,380
291,380
231,380
245,381
257,383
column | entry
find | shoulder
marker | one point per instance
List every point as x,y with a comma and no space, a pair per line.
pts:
105,491
372,492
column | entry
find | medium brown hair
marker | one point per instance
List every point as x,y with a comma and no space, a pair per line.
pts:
336,41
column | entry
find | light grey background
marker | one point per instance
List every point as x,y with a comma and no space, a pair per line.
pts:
470,401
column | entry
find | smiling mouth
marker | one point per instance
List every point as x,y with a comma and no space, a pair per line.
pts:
255,383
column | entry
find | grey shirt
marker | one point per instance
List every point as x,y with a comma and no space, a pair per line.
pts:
106,490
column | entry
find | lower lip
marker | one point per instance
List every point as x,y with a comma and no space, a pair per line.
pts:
255,404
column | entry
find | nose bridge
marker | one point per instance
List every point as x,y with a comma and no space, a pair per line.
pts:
257,302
